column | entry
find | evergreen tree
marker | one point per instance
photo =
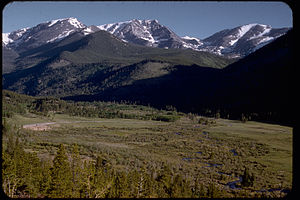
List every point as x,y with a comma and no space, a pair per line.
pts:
186,190
103,179
145,184
212,192
61,176
34,175
9,175
165,182
202,192
21,174
45,179
87,189
23,168
177,187
247,178
6,128
119,186
76,172
10,145
133,179
198,190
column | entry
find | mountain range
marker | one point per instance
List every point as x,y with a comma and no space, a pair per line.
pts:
259,86
145,62
236,42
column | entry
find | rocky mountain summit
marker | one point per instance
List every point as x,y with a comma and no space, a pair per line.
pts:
235,42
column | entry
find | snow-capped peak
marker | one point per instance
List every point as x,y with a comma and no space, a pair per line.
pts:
5,39
143,32
77,24
71,20
113,27
8,38
238,41
244,29
50,31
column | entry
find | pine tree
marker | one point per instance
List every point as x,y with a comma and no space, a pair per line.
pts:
9,175
165,180
177,187
103,179
198,189
21,173
44,186
119,185
6,127
145,184
87,189
61,176
76,172
33,177
133,179
186,190
23,168
202,192
247,178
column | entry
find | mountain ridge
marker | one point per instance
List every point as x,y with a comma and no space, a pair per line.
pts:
101,66
236,42
258,86
73,63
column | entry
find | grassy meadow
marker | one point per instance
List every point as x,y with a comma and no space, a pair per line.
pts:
214,150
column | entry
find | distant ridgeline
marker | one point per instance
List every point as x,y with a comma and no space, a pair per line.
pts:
257,87
101,67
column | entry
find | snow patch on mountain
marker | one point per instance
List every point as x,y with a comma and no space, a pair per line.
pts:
21,32
53,22
244,29
5,39
61,36
192,38
112,28
236,42
73,21
241,32
87,31
266,31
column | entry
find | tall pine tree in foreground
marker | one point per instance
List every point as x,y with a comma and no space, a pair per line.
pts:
61,176
76,172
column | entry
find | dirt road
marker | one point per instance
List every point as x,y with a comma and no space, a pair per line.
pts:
45,126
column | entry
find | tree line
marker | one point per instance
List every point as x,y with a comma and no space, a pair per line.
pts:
49,106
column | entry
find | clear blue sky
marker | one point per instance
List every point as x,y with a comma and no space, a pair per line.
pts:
197,19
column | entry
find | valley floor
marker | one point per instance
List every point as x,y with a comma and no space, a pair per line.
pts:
214,150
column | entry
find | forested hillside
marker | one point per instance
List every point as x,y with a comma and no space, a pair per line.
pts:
259,86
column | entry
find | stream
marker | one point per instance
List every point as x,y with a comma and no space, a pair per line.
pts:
233,184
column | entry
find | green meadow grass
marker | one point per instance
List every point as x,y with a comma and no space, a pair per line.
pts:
265,149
